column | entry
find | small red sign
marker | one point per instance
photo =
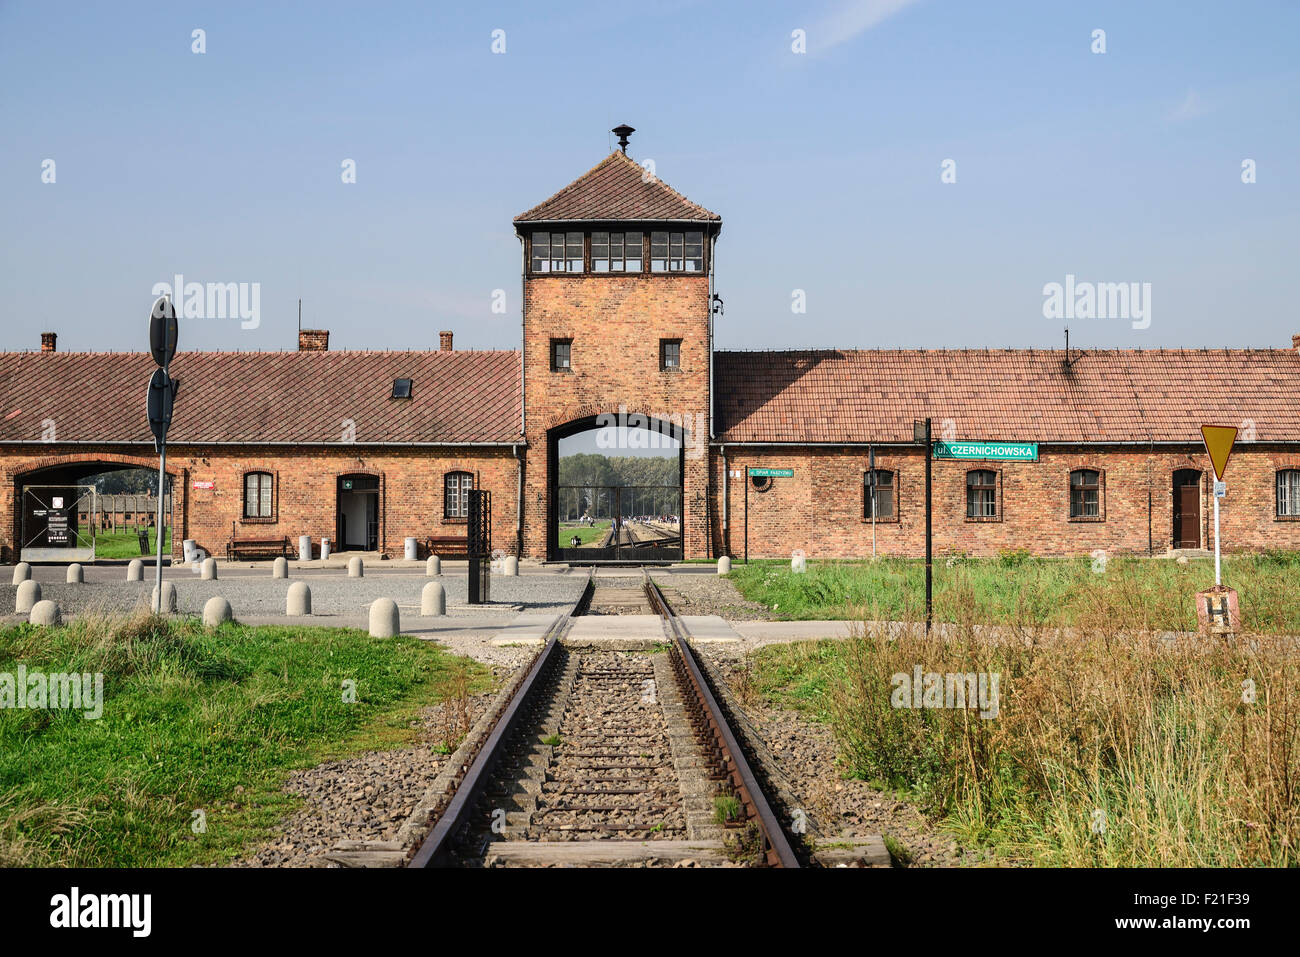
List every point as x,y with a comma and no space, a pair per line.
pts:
205,485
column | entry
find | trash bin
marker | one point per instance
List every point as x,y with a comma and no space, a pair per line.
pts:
304,548
411,550
324,549
191,549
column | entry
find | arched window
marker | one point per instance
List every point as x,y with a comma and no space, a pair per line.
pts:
1288,493
455,500
257,494
982,495
885,499
1085,494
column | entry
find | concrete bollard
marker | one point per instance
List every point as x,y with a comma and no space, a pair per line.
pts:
510,567
433,567
45,613
433,599
298,601
22,573
356,567
280,568
798,561
135,571
324,549
29,593
724,565
411,550
384,621
168,598
216,611
75,575
209,573
304,548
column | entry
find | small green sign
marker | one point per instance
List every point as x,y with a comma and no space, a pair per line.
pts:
772,473
992,451
347,484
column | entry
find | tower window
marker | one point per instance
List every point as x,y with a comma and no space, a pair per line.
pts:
560,355
670,355
616,252
557,252
677,252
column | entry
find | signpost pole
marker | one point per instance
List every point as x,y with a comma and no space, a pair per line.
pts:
746,515
162,478
871,477
1218,577
929,551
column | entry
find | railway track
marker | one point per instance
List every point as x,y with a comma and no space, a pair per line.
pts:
601,757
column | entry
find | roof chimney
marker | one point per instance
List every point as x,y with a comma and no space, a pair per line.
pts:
444,340
623,131
313,340
49,341
1295,343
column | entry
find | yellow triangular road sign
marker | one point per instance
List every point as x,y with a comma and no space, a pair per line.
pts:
1218,442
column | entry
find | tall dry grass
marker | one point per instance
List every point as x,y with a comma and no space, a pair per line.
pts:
1111,746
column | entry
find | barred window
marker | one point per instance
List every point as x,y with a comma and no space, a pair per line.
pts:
1085,493
456,496
884,498
677,252
981,494
1288,493
557,252
616,252
257,495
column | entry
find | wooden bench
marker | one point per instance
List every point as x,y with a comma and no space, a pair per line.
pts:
445,545
267,545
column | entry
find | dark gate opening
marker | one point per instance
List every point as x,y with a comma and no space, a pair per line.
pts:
357,521
1187,509
616,490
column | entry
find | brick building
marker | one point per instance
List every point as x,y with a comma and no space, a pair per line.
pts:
1095,449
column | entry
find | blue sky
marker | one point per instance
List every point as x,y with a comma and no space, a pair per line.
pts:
825,166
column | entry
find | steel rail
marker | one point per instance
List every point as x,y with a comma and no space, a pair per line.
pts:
436,849
777,848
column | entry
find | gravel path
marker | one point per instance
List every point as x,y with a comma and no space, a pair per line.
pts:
330,594
700,594
842,807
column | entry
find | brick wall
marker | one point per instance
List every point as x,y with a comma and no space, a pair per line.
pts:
616,323
305,489
820,509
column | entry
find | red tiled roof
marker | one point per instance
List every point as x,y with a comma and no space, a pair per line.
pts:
614,190
1160,395
264,397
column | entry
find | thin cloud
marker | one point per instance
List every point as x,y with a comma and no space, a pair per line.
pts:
852,20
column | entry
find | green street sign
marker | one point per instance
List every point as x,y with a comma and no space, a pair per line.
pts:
772,473
993,451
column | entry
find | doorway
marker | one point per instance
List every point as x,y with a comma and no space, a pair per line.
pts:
1187,508
358,513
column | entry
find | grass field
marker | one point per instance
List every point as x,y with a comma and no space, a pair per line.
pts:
194,720
127,544
1103,751
586,534
1147,593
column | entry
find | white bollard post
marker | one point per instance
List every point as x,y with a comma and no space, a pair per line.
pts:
29,593
384,620
433,599
22,573
280,568
304,548
216,611
209,573
798,561
168,598
724,565
510,566
75,575
433,567
45,613
135,571
298,601
356,567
